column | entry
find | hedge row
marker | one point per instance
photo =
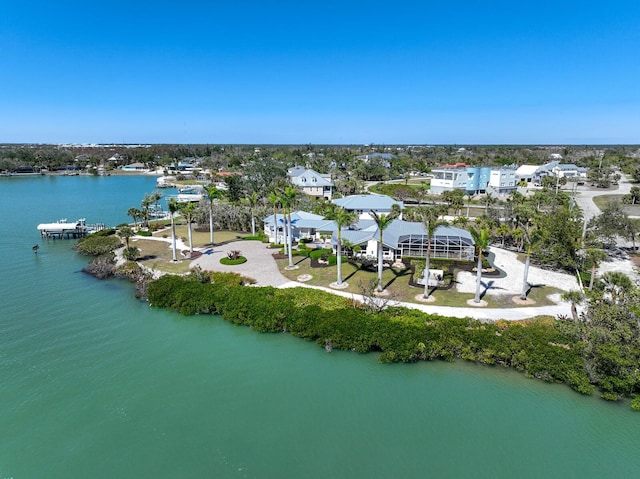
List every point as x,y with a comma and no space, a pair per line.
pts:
536,348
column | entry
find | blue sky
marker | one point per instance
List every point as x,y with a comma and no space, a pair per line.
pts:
417,72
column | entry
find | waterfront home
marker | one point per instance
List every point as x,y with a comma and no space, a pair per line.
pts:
139,167
408,238
304,225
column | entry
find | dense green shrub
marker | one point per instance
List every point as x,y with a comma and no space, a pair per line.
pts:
96,244
144,233
104,232
231,262
259,236
319,253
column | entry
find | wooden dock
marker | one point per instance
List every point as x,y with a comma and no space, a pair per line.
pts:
62,229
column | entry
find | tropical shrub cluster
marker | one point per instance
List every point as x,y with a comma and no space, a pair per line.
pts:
97,244
537,348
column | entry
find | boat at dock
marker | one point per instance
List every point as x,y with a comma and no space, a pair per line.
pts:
64,229
190,194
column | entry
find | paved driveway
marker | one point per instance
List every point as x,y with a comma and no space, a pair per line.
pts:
260,264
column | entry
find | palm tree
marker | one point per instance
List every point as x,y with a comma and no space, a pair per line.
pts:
343,219
503,230
146,203
213,193
489,200
155,197
173,206
136,214
481,239
574,297
288,199
382,221
252,200
593,257
527,262
187,210
431,221
125,232
616,284
274,200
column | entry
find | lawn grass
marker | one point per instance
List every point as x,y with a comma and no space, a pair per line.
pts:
602,201
397,283
201,238
158,254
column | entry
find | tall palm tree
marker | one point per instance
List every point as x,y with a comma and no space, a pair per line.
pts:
489,200
173,206
252,200
593,257
136,214
125,232
213,193
146,203
481,239
574,297
382,221
274,200
288,199
155,197
343,219
431,221
188,209
527,263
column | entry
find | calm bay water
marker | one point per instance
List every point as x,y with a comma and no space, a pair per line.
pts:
96,384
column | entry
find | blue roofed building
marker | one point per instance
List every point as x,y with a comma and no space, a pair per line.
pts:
408,238
363,205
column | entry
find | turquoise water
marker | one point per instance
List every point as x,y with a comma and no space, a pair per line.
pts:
96,384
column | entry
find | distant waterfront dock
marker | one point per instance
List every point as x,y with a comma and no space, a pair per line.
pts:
63,229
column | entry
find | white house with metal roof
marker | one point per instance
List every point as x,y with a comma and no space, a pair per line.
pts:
407,238
311,182
305,225
363,205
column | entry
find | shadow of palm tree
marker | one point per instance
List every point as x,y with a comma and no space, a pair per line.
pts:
350,275
396,275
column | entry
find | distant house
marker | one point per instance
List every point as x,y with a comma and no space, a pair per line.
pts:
384,157
502,181
528,173
535,173
135,167
311,182
566,170
363,205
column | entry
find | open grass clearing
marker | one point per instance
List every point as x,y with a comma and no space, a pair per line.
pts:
201,238
397,283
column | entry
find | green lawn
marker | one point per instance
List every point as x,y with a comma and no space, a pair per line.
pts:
158,254
201,238
602,200
397,283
